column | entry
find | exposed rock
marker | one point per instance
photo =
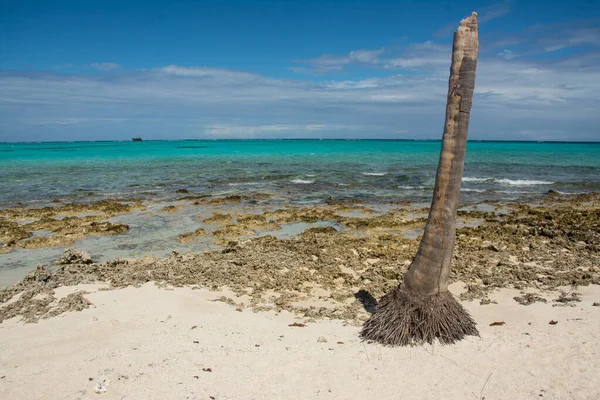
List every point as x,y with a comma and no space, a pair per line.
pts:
494,248
171,208
73,256
71,302
186,237
229,231
218,218
63,221
47,241
256,221
108,228
528,299
566,299
195,197
189,237
328,230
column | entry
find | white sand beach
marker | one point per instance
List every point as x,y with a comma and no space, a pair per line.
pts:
153,343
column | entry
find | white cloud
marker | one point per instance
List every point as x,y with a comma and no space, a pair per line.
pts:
365,56
520,95
412,63
75,121
62,121
556,47
64,66
419,56
495,11
492,12
507,54
538,39
250,131
244,130
324,64
204,72
428,54
105,66
332,63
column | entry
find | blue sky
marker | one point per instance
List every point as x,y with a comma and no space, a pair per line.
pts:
103,70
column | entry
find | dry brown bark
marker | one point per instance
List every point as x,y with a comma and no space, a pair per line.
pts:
430,269
421,309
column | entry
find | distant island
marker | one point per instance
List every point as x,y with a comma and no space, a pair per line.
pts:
137,139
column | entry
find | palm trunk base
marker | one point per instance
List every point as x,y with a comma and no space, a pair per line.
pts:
406,318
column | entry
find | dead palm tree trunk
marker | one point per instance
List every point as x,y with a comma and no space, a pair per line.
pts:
422,309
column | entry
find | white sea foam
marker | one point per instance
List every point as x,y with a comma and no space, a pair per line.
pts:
517,192
413,187
375,173
516,182
302,181
559,192
244,183
472,190
475,179
523,182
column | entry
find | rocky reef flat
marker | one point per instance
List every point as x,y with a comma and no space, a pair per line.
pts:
345,253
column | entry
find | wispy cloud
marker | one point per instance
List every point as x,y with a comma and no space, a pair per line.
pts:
298,130
495,11
331,63
99,66
507,54
560,37
538,39
228,130
210,102
427,55
365,56
418,55
64,66
555,47
105,66
75,121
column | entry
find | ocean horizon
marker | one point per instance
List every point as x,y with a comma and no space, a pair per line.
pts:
300,138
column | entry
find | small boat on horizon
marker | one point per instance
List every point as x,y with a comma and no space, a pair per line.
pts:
137,139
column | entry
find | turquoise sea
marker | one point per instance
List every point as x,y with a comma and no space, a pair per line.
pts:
296,170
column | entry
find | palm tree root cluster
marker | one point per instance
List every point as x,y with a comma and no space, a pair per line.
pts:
406,318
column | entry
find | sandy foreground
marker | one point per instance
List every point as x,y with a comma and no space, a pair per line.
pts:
153,343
